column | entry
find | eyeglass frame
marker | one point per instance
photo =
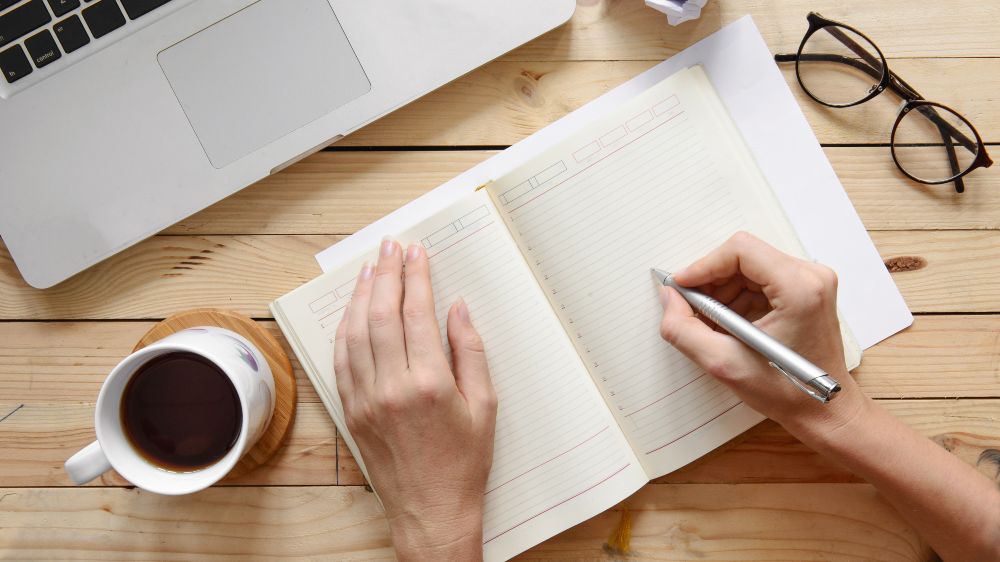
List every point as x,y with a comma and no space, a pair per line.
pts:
890,80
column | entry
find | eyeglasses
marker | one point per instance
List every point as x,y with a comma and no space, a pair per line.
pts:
838,66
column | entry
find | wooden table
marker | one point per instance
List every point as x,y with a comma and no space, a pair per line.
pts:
765,496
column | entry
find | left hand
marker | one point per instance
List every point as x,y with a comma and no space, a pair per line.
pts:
425,432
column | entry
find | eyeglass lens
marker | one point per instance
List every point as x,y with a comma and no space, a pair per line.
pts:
839,67
933,144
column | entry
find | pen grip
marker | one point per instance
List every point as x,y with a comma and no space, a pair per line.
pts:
742,329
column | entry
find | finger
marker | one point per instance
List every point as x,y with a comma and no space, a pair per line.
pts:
472,374
729,289
748,302
420,326
385,324
742,254
341,362
359,345
691,336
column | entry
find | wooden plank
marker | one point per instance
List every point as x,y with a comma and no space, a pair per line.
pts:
37,438
944,271
614,30
950,271
504,102
341,192
168,274
936,357
66,362
887,200
239,523
752,521
747,522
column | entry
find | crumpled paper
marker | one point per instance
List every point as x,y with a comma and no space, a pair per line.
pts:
678,11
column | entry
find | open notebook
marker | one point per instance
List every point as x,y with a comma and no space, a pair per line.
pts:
553,260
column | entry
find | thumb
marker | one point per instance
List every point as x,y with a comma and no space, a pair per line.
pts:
689,335
472,374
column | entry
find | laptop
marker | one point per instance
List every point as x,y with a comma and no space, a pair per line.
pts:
120,117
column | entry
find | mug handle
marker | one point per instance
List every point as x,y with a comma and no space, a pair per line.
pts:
88,463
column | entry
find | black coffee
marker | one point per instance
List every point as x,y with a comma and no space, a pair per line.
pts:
181,412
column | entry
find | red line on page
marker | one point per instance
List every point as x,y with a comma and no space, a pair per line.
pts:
695,429
609,477
550,460
595,162
666,395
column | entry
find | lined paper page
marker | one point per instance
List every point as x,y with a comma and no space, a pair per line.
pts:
559,457
659,183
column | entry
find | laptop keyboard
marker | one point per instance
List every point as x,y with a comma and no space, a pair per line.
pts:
36,33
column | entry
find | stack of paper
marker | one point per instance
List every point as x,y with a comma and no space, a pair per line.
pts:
678,11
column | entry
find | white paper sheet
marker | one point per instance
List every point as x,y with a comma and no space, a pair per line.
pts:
754,91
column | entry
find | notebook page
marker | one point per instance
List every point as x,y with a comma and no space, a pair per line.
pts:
559,457
659,182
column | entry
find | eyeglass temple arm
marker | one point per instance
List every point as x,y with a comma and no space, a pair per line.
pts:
952,161
898,87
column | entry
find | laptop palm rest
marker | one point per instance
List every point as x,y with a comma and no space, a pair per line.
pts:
243,86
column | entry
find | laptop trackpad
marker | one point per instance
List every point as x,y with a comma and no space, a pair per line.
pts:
261,73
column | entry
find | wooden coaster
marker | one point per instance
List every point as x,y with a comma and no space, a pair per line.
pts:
281,370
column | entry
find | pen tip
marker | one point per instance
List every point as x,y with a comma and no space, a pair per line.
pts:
659,275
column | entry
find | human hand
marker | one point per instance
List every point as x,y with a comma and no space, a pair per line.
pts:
425,432
794,301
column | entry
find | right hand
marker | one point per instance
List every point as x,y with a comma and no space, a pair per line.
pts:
799,302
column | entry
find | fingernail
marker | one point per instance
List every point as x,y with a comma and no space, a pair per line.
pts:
664,298
463,310
367,271
413,252
388,247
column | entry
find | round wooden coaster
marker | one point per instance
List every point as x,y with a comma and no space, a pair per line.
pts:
281,370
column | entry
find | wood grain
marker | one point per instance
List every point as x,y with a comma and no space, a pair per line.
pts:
277,361
341,192
628,30
685,522
956,273
38,437
167,274
66,362
504,102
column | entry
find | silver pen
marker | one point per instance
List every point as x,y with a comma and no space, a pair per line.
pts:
808,377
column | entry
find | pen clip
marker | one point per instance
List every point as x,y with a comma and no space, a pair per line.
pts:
799,384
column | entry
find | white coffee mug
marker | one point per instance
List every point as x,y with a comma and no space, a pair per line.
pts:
250,375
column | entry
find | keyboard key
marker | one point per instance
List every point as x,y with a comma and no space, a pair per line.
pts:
139,8
103,18
71,33
13,64
4,4
23,20
42,48
62,7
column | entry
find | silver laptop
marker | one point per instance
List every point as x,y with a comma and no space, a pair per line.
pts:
120,117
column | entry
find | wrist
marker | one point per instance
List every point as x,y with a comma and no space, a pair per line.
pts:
821,424
458,537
